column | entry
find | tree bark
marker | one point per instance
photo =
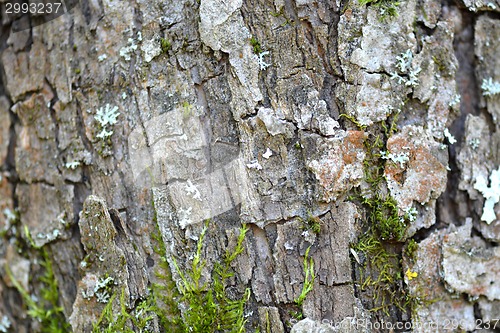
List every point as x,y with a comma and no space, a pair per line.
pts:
350,142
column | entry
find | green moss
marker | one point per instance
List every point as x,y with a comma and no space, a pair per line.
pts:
309,278
354,120
107,322
281,13
392,128
384,217
46,310
164,292
414,302
278,14
380,273
208,306
312,223
165,45
187,110
411,249
383,212
209,309
257,49
160,303
386,8
137,320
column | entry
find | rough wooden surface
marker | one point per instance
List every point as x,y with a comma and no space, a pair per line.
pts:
207,130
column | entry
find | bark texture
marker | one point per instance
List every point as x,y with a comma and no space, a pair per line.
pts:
121,116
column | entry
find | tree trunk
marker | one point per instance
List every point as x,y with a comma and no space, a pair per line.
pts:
266,166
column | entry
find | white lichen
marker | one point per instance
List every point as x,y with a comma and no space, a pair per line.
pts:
411,214
184,216
101,289
262,64
193,190
102,57
404,63
474,143
4,324
309,236
104,134
72,165
491,194
106,117
405,60
455,100
267,154
396,76
11,217
254,165
413,80
50,236
449,136
400,158
127,51
490,87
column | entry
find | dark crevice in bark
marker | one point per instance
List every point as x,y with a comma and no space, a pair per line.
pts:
447,206
356,277
10,162
80,191
467,84
81,127
424,233
297,43
53,115
4,35
491,14
271,234
421,31
327,94
330,81
477,312
291,10
87,14
11,300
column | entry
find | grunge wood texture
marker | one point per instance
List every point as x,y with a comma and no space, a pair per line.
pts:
358,142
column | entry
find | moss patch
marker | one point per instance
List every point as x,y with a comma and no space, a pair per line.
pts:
46,310
208,307
380,276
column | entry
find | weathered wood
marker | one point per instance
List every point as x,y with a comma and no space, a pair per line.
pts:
123,119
